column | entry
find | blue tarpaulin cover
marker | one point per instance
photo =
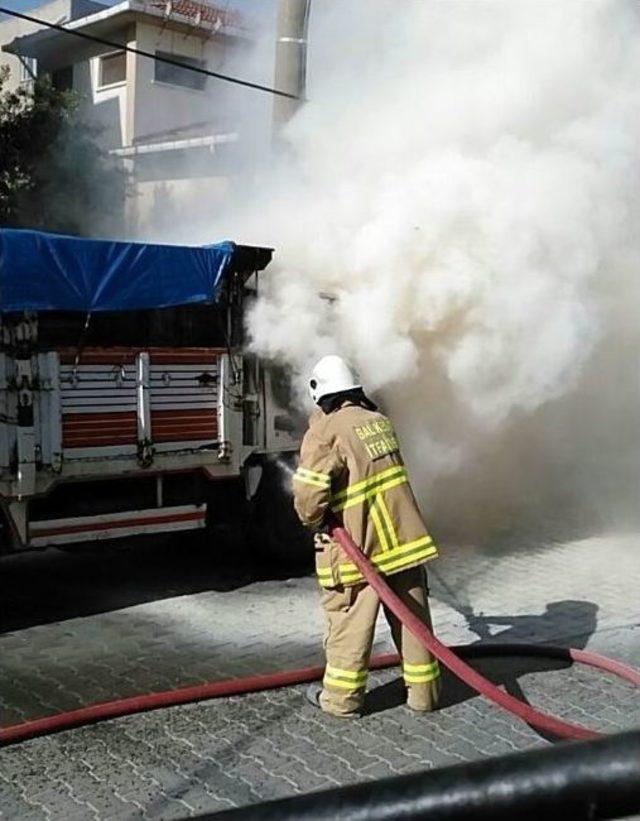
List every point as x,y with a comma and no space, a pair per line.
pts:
44,272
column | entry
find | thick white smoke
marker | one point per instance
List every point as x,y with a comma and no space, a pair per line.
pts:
464,180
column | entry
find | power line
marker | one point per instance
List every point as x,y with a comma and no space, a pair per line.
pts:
149,54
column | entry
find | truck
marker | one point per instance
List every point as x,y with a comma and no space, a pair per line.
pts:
129,404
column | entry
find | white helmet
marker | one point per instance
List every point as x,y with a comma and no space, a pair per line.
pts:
332,375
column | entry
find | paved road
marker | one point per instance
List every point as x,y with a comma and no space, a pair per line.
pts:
83,628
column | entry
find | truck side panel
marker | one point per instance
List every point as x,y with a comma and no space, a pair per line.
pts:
102,407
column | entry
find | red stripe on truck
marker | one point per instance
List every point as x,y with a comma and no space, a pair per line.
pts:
127,356
191,516
95,442
104,429
188,425
99,429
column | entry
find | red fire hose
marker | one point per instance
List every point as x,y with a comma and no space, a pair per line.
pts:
450,657
463,671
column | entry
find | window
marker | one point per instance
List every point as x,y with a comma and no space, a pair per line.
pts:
113,68
62,78
176,76
28,69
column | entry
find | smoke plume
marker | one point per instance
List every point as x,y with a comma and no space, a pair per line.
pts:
464,181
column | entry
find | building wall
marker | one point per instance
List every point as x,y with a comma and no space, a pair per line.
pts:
161,107
55,11
106,107
9,30
169,186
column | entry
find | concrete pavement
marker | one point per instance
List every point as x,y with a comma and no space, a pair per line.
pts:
230,752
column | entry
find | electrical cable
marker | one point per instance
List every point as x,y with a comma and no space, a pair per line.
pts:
142,53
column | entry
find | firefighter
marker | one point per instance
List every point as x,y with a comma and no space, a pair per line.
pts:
351,469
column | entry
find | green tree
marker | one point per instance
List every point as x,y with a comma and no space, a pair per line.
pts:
53,174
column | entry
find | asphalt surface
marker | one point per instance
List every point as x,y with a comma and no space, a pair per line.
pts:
86,627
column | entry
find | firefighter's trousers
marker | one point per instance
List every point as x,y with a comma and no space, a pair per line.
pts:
351,614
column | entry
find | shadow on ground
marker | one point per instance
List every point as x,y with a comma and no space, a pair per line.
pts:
53,585
574,621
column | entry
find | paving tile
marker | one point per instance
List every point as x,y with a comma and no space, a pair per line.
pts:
203,757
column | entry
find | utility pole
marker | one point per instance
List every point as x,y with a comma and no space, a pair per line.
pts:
291,59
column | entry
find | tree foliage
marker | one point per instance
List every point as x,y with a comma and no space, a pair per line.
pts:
53,174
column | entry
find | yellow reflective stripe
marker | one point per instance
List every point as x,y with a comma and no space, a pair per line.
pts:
369,494
346,679
420,668
345,685
367,483
325,576
345,578
398,553
420,673
307,480
346,569
420,549
352,675
384,510
412,679
314,474
379,525
397,557
401,550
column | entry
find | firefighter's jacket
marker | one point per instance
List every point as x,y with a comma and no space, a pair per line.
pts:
350,464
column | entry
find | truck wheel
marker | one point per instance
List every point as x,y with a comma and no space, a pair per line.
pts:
228,531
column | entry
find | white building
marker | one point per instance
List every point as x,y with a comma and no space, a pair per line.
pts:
175,130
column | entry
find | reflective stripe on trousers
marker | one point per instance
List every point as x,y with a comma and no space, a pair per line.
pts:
351,615
420,673
352,680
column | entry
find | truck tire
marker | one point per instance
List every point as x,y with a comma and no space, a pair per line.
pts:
228,528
